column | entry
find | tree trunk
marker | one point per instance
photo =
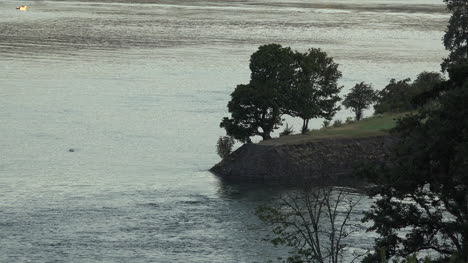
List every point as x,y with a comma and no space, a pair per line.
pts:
305,125
358,114
266,135
266,132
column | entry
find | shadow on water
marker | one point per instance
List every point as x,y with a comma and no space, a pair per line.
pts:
264,190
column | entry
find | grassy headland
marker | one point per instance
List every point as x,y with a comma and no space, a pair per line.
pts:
372,126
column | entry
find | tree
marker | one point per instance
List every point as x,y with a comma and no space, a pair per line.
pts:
400,96
314,223
313,90
256,108
224,146
423,189
252,113
360,98
395,97
456,34
427,81
425,84
272,67
427,87
281,81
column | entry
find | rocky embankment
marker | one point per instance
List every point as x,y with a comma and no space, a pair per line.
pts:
324,158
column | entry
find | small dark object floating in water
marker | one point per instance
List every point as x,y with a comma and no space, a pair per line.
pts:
71,150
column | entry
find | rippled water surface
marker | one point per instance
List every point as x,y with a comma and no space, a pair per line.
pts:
137,89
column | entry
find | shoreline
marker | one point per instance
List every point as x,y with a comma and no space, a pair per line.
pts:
321,159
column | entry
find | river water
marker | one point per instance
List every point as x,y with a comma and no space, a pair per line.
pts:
137,90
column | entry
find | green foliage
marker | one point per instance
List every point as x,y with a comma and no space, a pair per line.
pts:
395,97
427,81
256,107
424,86
326,123
224,146
424,186
271,67
282,81
360,98
314,89
455,38
400,96
414,259
252,113
337,123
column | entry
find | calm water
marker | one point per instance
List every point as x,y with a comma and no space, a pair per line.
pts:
137,89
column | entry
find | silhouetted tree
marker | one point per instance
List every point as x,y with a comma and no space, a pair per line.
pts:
360,98
314,90
252,113
424,87
426,81
256,108
456,34
423,188
395,97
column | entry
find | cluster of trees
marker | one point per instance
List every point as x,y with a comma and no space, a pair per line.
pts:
305,85
421,191
283,81
423,188
403,96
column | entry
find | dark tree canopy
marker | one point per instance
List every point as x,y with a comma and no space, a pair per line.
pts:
401,96
456,34
256,108
314,90
252,113
426,87
395,97
272,66
424,187
427,81
282,82
360,97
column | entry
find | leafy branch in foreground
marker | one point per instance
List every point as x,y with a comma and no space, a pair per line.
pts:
455,38
423,187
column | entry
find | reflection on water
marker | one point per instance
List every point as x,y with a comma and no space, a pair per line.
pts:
137,89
